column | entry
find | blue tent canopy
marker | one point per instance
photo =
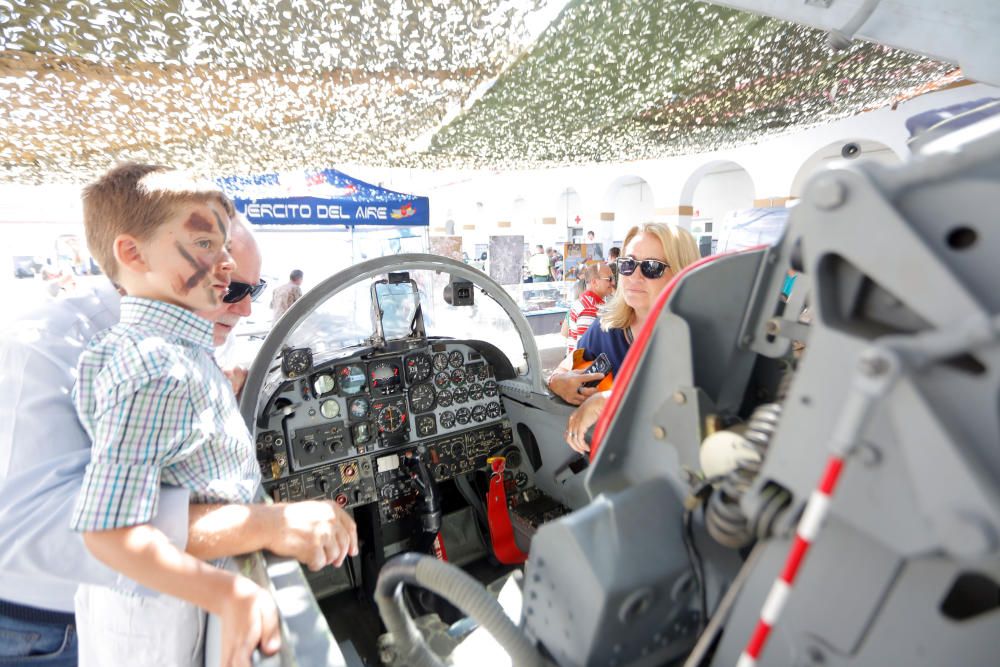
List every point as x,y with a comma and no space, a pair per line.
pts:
324,197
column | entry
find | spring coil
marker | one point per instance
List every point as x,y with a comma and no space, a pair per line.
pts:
725,519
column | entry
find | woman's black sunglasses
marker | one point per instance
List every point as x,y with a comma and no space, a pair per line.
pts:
651,268
238,291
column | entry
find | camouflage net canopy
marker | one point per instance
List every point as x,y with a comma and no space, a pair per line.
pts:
248,86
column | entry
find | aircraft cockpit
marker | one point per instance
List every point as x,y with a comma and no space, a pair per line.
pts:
390,389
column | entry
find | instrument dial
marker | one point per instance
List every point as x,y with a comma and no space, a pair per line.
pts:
352,379
460,394
476,392
490,388
484,373
458,376
444,398
390,419
447,419
323,384
421,398
384,374
362,433
456,358
296,362
440,361
441,380
493,410
479,413
463,415
358,407
418,368
426,425
330,409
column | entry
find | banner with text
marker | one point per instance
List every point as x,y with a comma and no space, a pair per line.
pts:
324,197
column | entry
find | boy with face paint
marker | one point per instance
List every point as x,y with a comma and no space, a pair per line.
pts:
159,411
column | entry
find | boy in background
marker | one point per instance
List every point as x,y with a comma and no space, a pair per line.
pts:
159,410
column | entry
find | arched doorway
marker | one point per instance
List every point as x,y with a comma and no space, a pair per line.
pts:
710,194
630,201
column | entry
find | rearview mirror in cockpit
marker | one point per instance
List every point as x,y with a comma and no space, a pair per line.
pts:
397,312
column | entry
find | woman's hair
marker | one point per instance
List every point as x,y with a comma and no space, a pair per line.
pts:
680,250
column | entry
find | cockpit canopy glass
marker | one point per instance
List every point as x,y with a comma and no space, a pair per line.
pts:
345,318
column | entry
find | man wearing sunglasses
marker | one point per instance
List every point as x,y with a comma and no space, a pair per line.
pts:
43,454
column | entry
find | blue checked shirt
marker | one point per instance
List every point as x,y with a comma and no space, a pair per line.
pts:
159,410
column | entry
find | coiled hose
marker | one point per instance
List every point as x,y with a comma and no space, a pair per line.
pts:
725,520
459,589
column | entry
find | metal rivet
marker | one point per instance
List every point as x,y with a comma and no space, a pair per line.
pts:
772,327
659,432
680,398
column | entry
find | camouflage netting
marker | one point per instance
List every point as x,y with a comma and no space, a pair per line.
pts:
229,87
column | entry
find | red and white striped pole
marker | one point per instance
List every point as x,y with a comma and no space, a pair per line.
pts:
809,525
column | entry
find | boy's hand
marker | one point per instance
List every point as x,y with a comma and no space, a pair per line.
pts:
249,619
314,532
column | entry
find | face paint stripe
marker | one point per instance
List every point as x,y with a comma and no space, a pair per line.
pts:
200,270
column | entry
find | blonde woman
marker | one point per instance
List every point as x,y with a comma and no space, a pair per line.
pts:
654,253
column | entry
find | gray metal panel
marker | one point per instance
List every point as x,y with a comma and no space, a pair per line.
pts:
958,31
696,336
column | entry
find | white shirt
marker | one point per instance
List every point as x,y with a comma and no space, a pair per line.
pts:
43,454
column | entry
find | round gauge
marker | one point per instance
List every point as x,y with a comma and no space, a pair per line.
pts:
456,358
296,362
390,419
458,450
484,372
460,394
475,392
458,376
422,398
441,380
444,398
329,409
426,425
323,384
493,410
384,374
447,419
358,407
479,413
352,379
521,479
361,432
440,361
490,388
418,368
463,415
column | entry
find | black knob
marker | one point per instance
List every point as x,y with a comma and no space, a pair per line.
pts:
323,484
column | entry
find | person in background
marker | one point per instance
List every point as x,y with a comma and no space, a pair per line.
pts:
654,253
598,251
287,294
538,266
576,289
613,256
599,282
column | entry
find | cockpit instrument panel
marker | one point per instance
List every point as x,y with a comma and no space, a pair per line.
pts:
351,412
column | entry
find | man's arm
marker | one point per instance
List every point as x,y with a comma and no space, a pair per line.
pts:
314,532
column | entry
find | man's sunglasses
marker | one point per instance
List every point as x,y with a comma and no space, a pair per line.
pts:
651,268
239,291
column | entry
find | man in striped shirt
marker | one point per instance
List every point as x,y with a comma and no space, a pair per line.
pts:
583,312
